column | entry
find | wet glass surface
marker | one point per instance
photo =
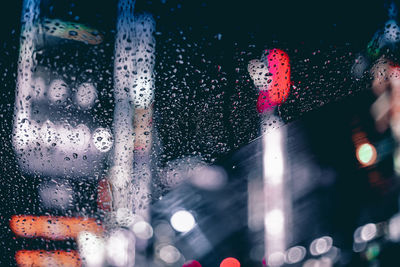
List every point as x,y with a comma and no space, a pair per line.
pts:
199,133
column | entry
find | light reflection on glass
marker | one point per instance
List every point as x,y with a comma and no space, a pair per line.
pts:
183,221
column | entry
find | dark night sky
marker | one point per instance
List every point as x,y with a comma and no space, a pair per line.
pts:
333,21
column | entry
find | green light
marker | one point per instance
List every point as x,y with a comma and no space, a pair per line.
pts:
373,251
366,154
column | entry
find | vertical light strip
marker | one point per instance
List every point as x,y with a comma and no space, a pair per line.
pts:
122,172
133,93
142,93
274,198
26,64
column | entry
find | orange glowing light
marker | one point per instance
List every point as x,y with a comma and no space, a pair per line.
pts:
53,227
43,258
230,262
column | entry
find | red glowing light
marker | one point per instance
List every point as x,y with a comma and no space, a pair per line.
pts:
278,90
264,262
192,263
230,262
104,198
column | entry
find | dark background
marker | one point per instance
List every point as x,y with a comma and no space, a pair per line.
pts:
208,107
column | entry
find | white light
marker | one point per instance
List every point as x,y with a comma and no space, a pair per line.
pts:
86,95
259,73
311,263
273,158
275,200
39,88
325,262
91,249
48,133
295,254
169,254
81,136
143,230
119,177
274,222
66,137
322,262
58,91
142,91
126,217
102,139
394,228
396,158
276,259
26,134
64,132
183,221
368,232
209,178
357,235
120,248
321,245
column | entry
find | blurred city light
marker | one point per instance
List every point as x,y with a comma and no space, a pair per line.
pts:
169,254
53,227
276,259
163,232
394,228
321,245
366,154
274,222
143,230
271,75
275,200
120,248
322,262
91,249
191,263
368,232
182,221
42,258
295,254
230,262
273,158
365,233
209,177
373,251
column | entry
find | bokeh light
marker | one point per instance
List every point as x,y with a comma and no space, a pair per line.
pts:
230,262
182,221
191,263
169,254
366,154
321,245
295,254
